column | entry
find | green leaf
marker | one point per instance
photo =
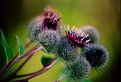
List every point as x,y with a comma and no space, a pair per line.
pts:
7,49
45,60
3,58
20,46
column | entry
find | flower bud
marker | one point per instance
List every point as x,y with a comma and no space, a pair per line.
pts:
97,56
67,50
49,39
79,70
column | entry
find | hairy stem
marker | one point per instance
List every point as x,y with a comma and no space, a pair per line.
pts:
30,52
7,66
12,61
17,70
43,70
15,57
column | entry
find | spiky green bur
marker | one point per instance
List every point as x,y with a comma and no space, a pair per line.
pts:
79,70
33,27
67,50
93,33
49,39
97,56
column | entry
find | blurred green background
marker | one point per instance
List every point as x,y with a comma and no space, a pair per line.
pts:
103,14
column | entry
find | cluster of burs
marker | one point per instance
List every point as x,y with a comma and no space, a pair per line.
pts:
77,47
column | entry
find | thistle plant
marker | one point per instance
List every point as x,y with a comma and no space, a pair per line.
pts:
78,49
44,29
69,47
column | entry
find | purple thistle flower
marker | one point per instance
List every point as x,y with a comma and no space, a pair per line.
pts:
69,46
45,29
78,37
51,19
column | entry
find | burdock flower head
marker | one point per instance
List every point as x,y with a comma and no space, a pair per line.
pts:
97,56
49,39
51,19
78,37
69,47
45,29
79,70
